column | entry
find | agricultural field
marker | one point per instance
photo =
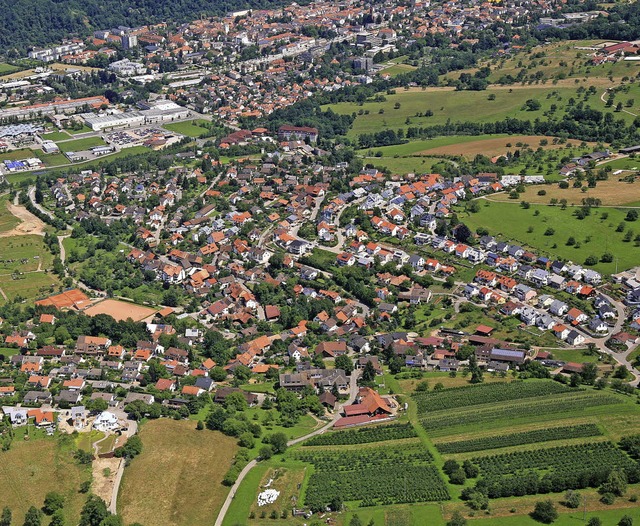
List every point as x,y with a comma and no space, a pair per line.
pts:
188,128
25,483
364,435
80,145
518,439
443,423
546,230
401,474
612,192
471,395
188,467
552,469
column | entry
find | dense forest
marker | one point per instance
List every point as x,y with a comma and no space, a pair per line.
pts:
27,23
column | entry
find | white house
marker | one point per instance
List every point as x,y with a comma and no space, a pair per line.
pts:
106,421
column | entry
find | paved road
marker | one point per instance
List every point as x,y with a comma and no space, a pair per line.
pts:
353,391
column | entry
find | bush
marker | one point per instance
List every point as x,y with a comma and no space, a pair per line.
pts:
625,521
594,521
563,184
544,512
572,499
608,498
458,477
457,520
53,502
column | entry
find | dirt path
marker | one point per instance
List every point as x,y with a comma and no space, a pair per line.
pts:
30,224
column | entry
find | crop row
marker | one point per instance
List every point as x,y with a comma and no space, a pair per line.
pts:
569,403
517,439
364,435
383,457
471,395
377,486
552,469
559,459
373,476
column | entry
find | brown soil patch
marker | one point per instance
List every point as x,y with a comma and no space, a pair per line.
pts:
30,224
120,310
491,147
104,477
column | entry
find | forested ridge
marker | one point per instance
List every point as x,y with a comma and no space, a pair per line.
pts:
28,23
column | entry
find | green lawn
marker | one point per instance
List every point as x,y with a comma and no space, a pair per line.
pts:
135,150
84,129
405,165
56,136
397,69
594,235
79,145
188,128
7,69
574,355
18,155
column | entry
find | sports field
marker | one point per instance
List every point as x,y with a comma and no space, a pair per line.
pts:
177,479
594,235
120,310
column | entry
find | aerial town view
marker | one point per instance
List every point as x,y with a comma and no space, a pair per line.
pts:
327,262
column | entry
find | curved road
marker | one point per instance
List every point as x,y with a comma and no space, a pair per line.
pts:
353,391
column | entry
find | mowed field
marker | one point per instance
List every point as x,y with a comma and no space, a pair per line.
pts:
188,128
612,192
177,478
594,235
120,310
31,469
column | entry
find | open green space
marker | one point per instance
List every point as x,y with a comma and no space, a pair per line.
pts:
56,136
18,155
405,165
7,69
32,468
188,467
23,254
575,355
192,128
410,107
547,232
7,220
79,145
